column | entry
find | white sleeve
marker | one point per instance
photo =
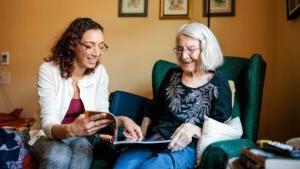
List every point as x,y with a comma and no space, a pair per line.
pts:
47,99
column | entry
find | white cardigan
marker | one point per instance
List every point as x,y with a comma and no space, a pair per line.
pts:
55,94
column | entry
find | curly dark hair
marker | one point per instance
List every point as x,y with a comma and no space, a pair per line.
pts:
62,52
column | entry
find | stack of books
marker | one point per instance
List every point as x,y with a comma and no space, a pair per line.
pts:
271,155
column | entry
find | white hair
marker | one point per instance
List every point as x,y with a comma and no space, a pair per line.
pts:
211,55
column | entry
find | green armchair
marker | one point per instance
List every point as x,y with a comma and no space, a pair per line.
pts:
248,76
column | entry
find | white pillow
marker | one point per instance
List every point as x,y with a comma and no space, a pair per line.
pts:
214,131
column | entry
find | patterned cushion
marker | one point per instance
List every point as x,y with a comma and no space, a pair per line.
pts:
13,149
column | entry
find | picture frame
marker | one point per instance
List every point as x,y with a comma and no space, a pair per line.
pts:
219,8
175,9
133,8
4,58
293,9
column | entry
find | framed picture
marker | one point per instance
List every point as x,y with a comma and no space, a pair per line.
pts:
4,60
218,7
133,8
293,8
174,9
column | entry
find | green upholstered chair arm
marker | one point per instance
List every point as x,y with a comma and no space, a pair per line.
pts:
217,154
255,76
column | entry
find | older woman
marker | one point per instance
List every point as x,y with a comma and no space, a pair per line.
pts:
71,81
186,96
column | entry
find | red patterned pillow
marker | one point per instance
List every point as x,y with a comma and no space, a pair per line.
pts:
5,117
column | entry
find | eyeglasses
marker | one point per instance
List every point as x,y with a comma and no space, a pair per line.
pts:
102,47
178,50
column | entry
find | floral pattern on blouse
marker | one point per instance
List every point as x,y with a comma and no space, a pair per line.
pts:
189,104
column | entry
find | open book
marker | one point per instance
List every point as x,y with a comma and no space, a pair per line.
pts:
110,133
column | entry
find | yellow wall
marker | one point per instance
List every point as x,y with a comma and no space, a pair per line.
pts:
29,27
281,113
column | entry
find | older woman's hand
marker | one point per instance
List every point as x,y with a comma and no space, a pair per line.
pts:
183,136
131,130
145,125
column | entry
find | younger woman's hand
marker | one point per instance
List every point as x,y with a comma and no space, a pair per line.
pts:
83,126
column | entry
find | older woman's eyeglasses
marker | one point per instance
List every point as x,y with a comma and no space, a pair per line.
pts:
102,47
178,50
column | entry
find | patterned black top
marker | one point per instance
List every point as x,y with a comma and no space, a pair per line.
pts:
177,103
